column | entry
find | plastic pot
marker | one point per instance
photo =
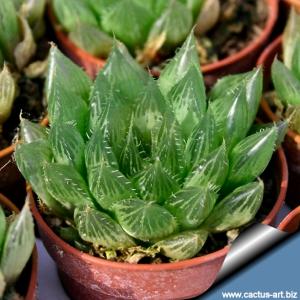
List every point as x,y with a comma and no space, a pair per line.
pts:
291,223
292,139
12,183
27,282
88,277
238,62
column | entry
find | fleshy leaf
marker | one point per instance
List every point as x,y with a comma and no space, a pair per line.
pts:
156,183
144,220
67,146
188,100
177,68
9,28
20,236
183,245
108,185
91,39
31,132
66,185
296,60
2,228
202,141
136,30
237,209
250,157
31,159
191,205
287,86
211,170
7,93
2,285
100,229
63,73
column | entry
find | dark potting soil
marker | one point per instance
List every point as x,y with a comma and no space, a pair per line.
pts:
240,22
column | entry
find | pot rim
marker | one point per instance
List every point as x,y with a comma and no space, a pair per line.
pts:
272,6
286,221
30,294
266,54
164,266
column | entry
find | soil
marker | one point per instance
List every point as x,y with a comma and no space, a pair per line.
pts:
240,22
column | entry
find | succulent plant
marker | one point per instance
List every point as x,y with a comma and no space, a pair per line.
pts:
16,245
286,74
130,161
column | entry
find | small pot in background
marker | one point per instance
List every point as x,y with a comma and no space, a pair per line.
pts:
291,223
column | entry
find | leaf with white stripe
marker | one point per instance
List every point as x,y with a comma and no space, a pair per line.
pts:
237,209
100,229
67,146
155,183
183,245
144,220
191,205
30,131
212,170
66,185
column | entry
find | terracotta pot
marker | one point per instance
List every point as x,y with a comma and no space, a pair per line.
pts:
238,62
27,283
88,277
292,140
12,183
291,223
294,3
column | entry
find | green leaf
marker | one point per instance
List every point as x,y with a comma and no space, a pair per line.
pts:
237,209
18,245
194,6
91,39
155,183
183,245
211,170
31,159
291,37
296,60
63,73
177,68
9,28
188,100
287,86
154,6
250,157
99,229
7,93
68,146
66,186
2,228
203,140
144,220
108,185
70,12
131,27
191,205
31,132
125,74
33,11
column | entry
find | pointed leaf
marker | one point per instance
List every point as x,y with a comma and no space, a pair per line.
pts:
156,183
144,220
66,185
250,157
296,60
183,245
191,205
67,146
19,237
237,209
188,100
212,170
100,229
177,68
7,93
31,132
287,86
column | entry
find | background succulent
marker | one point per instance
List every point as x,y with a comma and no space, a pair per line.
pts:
286,74
16,245
132,161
